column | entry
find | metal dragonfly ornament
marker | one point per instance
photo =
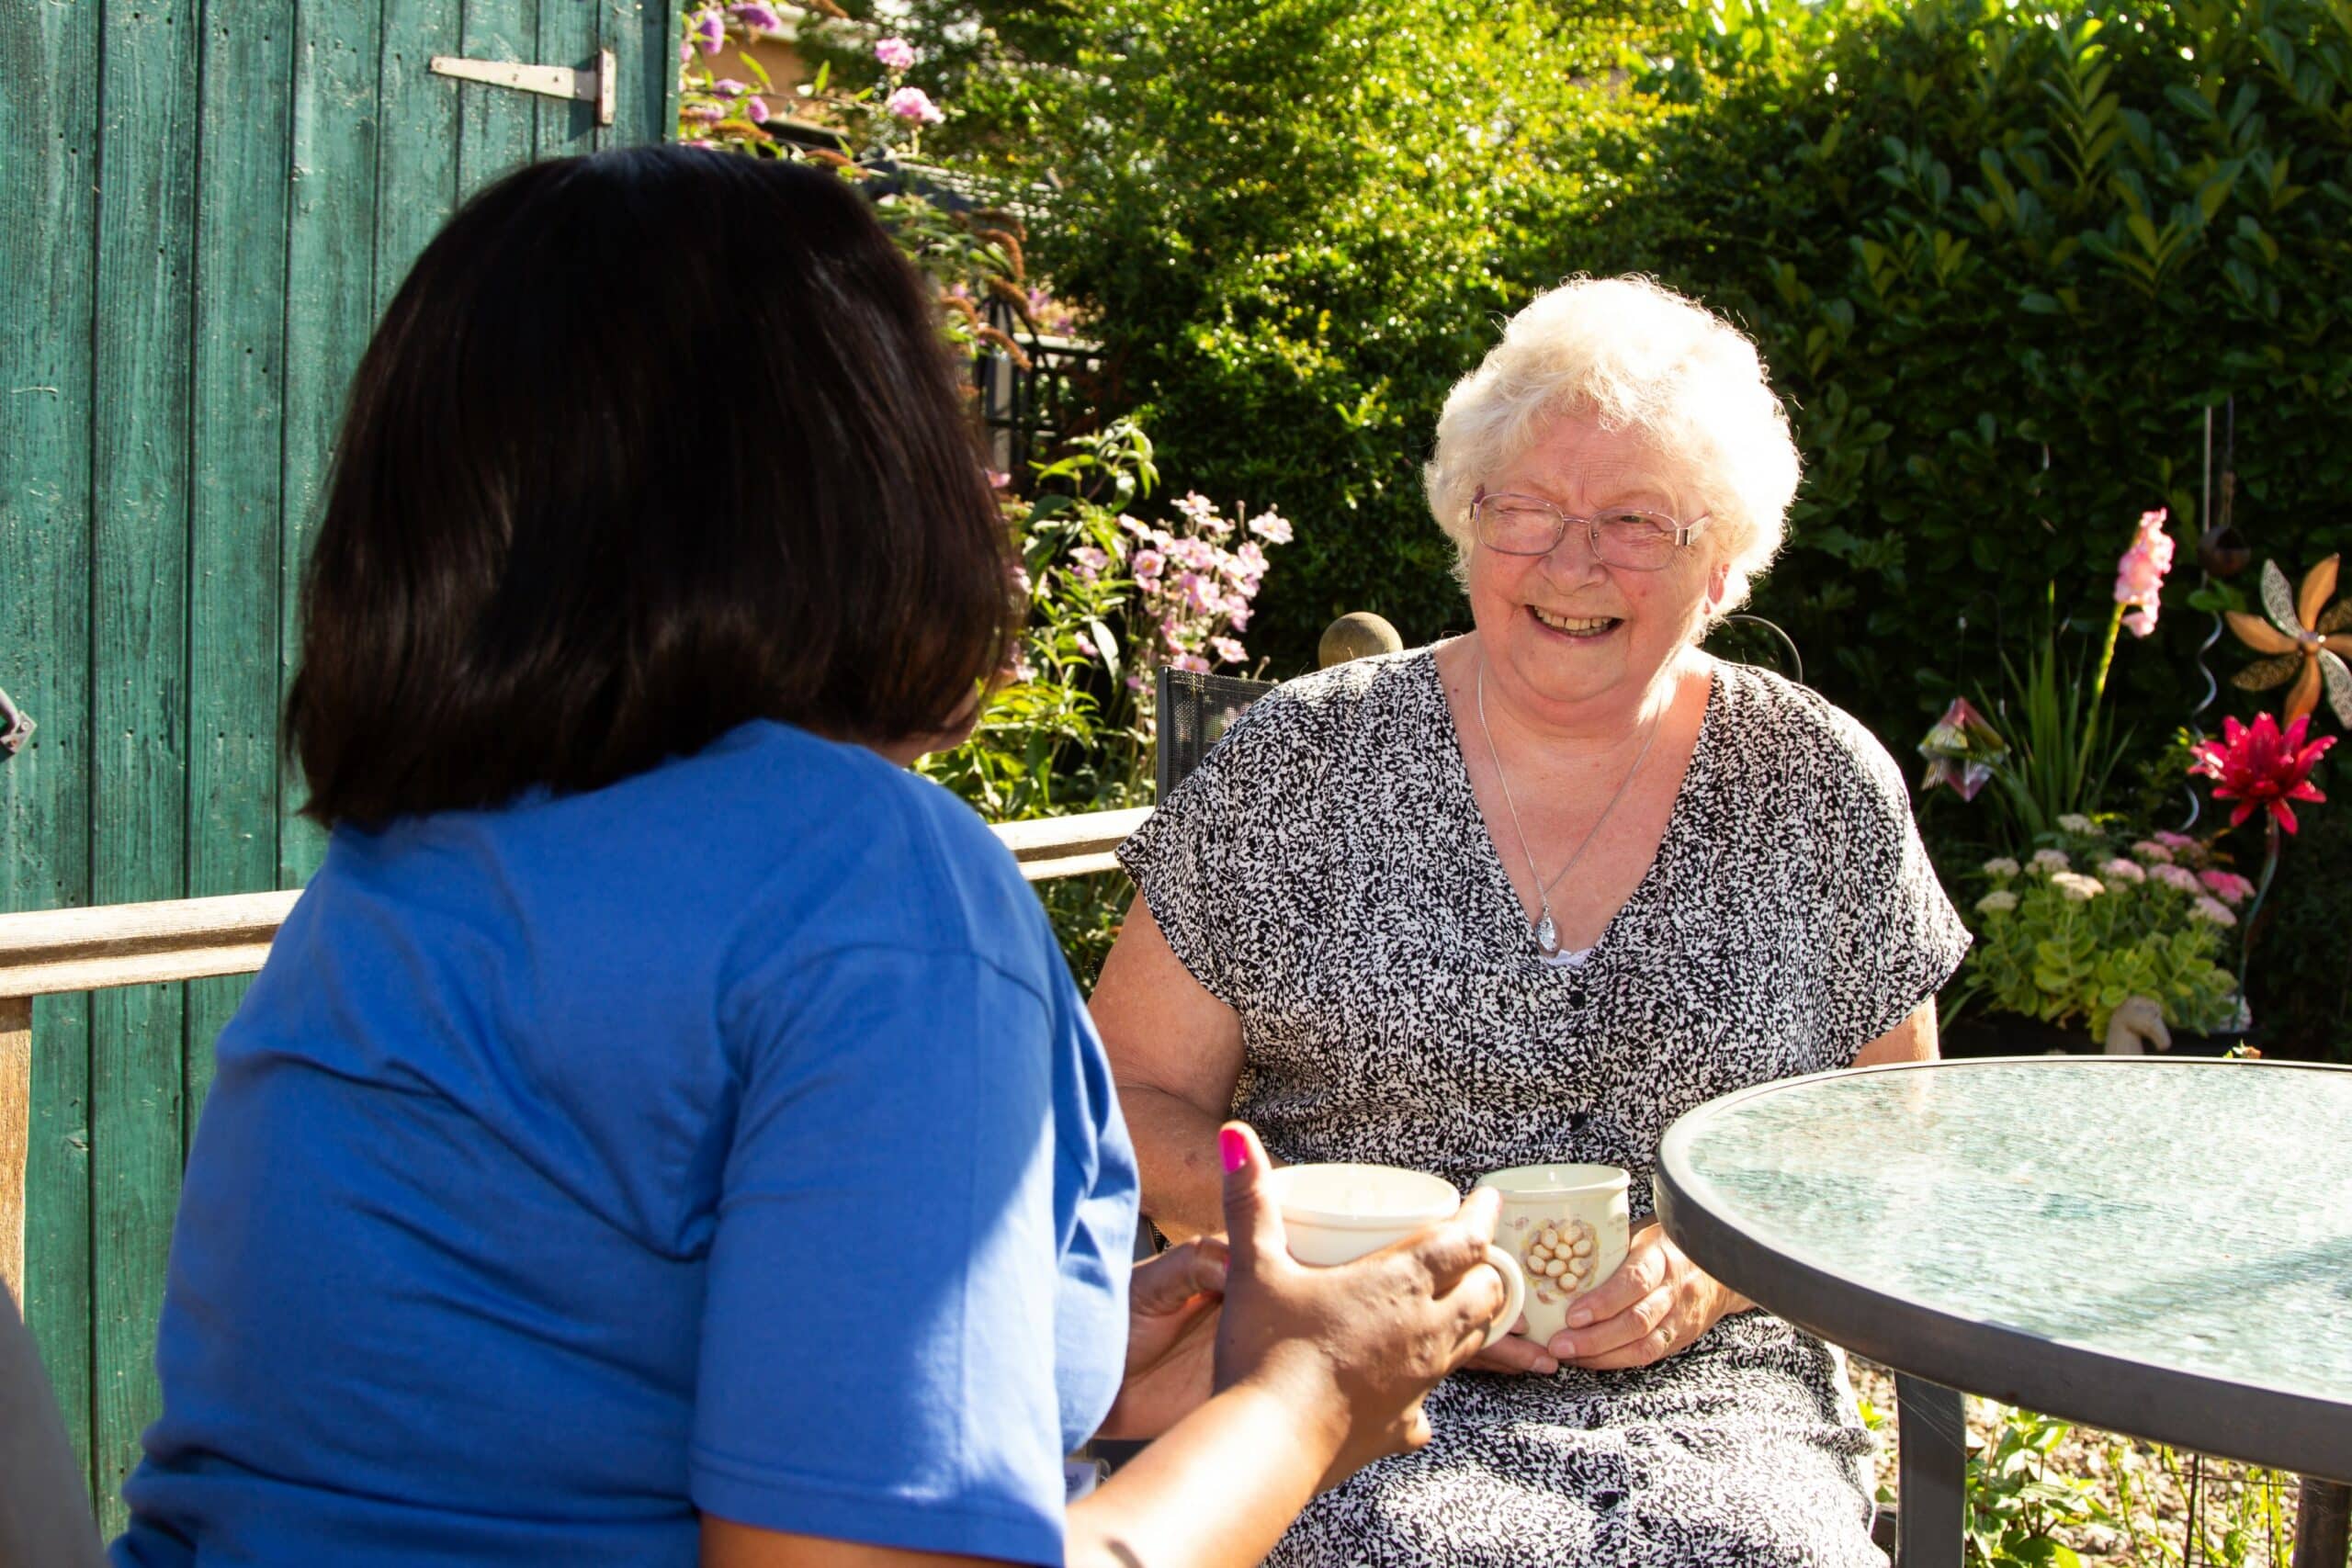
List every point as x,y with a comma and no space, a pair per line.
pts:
2306,640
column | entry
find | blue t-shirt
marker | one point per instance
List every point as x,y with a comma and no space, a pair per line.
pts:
731,1138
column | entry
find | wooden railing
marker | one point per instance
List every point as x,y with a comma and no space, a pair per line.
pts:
52,952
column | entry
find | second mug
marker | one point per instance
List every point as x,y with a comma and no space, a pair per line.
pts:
1337,1214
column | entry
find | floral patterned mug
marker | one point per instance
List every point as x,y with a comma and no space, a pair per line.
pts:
1567,1227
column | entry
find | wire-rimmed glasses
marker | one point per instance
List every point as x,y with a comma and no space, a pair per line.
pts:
1514,524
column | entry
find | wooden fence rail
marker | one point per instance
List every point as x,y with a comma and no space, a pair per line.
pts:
51,952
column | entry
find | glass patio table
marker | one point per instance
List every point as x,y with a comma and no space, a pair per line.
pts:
2158,1248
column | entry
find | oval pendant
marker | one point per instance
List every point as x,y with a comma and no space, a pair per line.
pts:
1547,936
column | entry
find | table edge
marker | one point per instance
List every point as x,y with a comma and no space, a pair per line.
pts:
2308,1434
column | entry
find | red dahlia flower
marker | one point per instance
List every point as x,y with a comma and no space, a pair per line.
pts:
2262,768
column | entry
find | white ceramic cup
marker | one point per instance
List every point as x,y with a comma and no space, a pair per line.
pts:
1337,1214
1581,1209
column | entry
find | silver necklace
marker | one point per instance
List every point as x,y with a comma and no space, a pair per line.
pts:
1548,932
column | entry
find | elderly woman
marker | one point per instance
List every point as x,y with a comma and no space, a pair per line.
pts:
1528,896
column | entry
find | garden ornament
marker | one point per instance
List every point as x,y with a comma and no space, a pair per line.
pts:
2137,1026
2307,640
1360,634
16,729
1961,751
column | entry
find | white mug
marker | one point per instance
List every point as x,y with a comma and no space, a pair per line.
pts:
1567,1227
1337,1214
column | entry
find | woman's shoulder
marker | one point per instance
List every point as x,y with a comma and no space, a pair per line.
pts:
1773,723
1318,711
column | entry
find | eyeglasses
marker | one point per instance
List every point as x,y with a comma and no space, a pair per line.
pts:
1515,524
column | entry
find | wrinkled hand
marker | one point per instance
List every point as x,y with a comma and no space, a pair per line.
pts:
1172,1302
1657,1305
1355,1348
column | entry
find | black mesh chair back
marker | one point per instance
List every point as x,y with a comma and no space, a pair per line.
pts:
1195,711
44,1498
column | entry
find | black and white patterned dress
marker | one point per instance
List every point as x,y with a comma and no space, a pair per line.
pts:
1326,873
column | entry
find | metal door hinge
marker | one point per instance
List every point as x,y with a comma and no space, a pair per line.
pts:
593,86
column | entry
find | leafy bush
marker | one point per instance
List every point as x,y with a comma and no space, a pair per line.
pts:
2003,259
2062,944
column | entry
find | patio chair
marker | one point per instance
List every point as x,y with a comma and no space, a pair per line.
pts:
1195,711
44,1498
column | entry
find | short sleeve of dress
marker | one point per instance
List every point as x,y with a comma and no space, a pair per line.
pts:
1193,859
1894,936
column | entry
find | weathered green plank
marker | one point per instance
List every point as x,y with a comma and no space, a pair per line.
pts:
568,36
245,129
49,141
139,596
418,165
330,303
643,36
497,127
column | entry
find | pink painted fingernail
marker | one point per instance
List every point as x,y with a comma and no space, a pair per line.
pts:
1234,1148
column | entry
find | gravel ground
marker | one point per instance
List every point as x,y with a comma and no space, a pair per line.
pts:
2245,1517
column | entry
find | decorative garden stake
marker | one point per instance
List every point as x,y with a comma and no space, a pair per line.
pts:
2307,640
1961,751
2262,768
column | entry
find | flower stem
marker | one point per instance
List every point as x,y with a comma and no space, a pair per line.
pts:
2276,842
2105,658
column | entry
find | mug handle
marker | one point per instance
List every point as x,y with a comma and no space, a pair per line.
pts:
1514,1292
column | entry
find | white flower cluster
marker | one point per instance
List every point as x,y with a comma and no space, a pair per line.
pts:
2075,887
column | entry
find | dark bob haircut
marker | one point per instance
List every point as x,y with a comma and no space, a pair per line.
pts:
650,444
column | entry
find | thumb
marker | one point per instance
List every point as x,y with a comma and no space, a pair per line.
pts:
1252,1221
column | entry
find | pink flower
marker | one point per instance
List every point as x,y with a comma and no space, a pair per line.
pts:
2121,870
1271,527
1149,564
2154,853
997,479
2176,876
1019,576
1227,649
1196,507
728,87
1252,559
896,53
755,109
914,106
1192,661
1239,615
1091,561
1140,530
710,32
2262,768
758,18
2227,885
2140,574
2211,909
2175,841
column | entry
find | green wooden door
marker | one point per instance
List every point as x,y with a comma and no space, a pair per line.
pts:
208,203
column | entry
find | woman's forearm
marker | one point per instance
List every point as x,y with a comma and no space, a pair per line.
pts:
1220,1487
1183,1190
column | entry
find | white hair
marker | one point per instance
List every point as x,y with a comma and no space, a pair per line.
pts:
1632,356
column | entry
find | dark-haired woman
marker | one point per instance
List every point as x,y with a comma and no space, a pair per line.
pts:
665,1129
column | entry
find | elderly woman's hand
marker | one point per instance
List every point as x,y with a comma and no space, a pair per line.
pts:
1657,1304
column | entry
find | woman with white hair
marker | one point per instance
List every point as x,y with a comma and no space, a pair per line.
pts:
1528,894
